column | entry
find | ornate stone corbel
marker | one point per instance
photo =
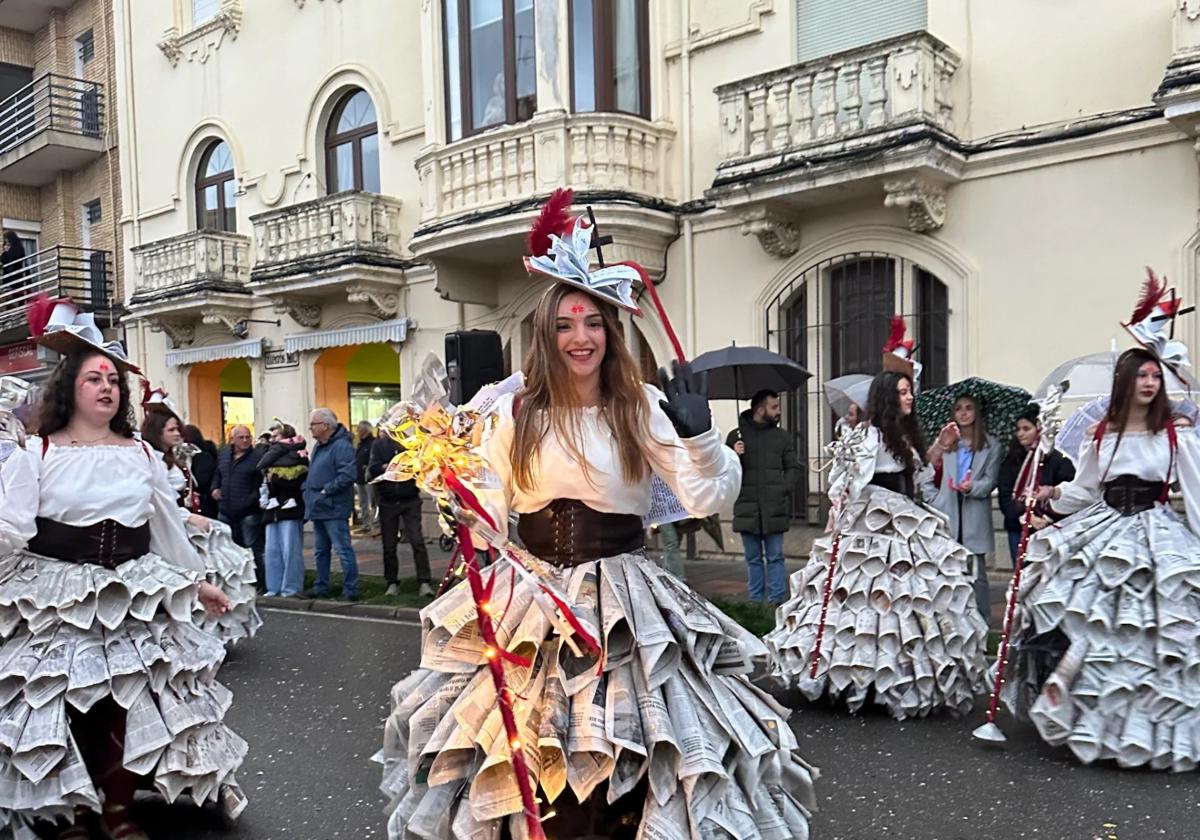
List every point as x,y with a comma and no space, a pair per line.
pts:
180,332
384,300
234,320
778,235
925,202
171,45
303,312
230,17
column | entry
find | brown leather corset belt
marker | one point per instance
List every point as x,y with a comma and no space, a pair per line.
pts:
567,532
105,543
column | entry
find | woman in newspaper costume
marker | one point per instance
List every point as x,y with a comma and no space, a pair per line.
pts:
106,682
230,567
663,735
1107,662
883,609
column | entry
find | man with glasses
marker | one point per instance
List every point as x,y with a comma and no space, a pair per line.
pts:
235,487
329,501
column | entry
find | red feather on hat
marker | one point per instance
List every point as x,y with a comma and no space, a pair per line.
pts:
1152,291
38,314
896,338
555,219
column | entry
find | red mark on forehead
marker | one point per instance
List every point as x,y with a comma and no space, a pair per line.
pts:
104,366
578,308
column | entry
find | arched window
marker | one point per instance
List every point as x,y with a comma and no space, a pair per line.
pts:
215,189
352,145
834,319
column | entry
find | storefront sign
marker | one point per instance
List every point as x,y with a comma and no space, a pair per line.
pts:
19,358
277,359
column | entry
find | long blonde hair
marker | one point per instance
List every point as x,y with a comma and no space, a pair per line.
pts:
550,403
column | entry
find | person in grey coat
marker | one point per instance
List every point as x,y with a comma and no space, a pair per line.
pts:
966,461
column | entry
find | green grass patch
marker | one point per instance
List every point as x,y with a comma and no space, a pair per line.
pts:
756,617
371,589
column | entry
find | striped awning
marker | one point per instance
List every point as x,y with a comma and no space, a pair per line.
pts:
251,348
385,331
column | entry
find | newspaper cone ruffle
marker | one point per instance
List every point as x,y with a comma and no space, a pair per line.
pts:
75,634
672,707
902,620
230,569
1122,595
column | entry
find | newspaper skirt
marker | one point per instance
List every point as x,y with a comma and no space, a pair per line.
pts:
668,718
74,635
1107,660
230,569
901,622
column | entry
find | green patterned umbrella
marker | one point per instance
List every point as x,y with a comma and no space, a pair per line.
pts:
1000,405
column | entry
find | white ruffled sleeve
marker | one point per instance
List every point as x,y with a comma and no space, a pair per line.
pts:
20,479
703,473
1187,472
168,537
1084,489
851,475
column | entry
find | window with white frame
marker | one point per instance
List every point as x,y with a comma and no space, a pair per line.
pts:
204,10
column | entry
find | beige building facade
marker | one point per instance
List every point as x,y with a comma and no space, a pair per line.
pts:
59,168
317,191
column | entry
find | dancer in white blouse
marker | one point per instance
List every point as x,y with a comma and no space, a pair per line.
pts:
106,684
229,566
881,613
1107,662
573,453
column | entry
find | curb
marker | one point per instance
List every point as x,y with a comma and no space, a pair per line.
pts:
331,607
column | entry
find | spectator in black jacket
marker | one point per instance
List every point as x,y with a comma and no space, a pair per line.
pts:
398,500
1014,481
204,467
368,512
235,487
284,468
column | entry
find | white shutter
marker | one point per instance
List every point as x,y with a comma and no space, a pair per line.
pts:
824,27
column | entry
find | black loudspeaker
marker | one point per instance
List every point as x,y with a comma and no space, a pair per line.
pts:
474,358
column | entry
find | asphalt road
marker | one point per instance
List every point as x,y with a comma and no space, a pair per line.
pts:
311,693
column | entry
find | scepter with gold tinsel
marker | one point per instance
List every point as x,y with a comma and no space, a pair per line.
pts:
440,451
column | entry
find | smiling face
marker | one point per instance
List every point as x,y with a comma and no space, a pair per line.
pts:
905,395
582,340
1149,383
964,412
97,390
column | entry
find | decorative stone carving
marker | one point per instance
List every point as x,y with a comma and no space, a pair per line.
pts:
180,332
233,319
925,202
384,300
171,45
778,235
227,21
305,313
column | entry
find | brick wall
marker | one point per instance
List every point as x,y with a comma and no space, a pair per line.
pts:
16,47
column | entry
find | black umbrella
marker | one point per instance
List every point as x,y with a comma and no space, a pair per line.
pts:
738,373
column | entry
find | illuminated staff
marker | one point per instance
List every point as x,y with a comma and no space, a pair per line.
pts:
1049,420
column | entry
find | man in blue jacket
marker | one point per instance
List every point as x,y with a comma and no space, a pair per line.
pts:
329,501
235,487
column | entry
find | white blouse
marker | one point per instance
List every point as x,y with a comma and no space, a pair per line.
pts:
83,485
704,474
872,457
1142,454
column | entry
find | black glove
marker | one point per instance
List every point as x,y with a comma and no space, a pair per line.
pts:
686,405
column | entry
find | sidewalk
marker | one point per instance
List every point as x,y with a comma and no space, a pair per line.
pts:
714,578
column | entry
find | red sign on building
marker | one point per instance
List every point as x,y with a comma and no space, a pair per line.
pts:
19,358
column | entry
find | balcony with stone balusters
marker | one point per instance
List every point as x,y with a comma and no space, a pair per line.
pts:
875,120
